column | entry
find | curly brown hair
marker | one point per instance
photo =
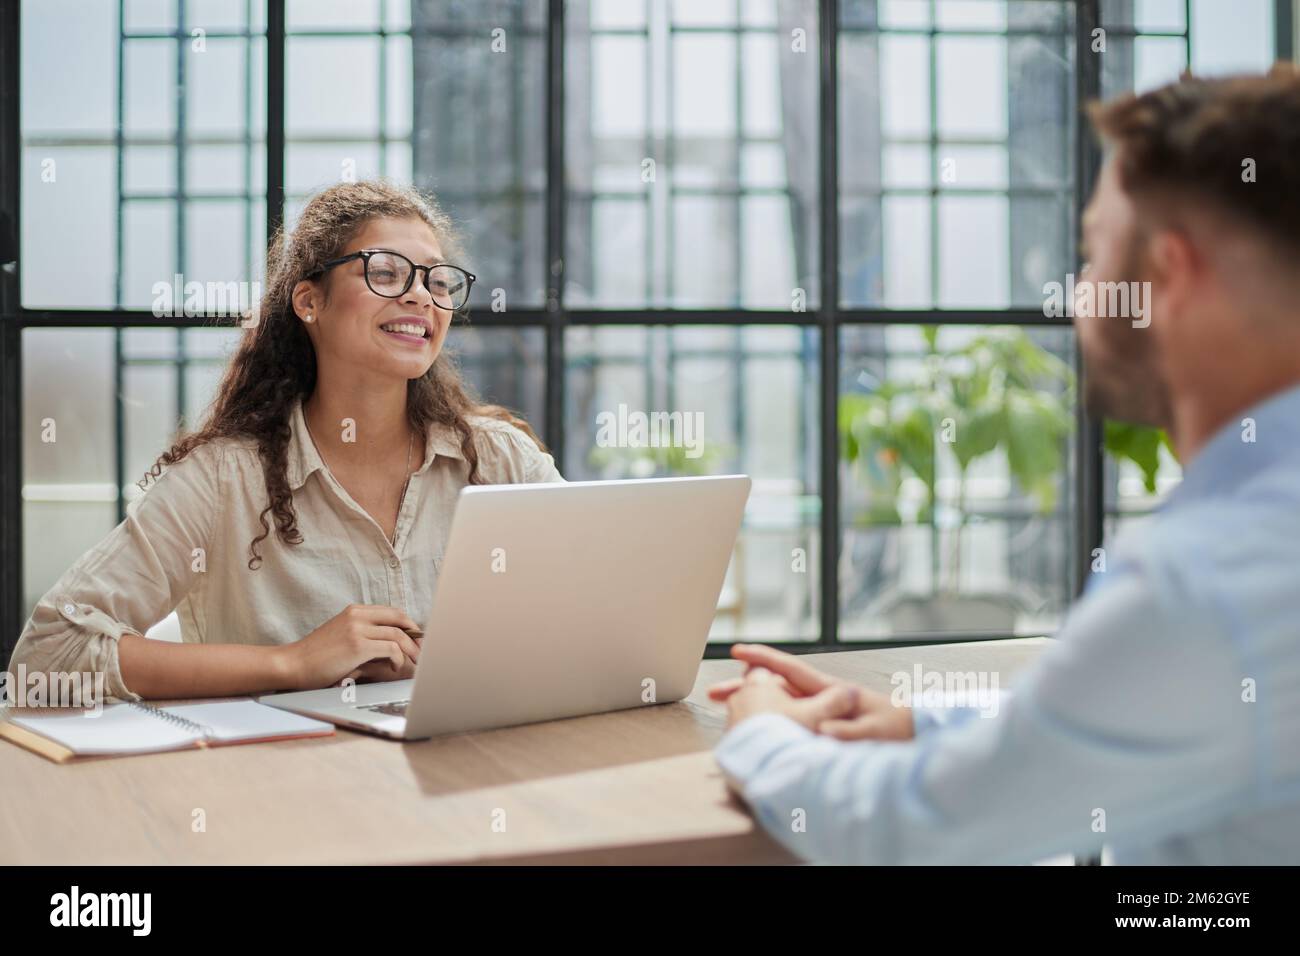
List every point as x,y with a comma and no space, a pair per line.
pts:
275,363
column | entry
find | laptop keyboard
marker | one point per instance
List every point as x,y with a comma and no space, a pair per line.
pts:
394,708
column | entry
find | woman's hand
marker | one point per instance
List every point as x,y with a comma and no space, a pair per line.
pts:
363,641
383,670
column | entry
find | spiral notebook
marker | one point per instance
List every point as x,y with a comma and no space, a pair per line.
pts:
140,728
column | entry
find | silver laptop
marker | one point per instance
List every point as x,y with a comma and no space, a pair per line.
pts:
557,600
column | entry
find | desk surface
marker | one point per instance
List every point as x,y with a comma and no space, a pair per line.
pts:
637,786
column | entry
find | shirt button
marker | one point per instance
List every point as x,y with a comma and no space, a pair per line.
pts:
69,609
394,562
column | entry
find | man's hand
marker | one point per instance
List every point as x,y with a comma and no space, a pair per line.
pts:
763,692
822,703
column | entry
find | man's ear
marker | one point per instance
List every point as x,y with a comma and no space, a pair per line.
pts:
1175,265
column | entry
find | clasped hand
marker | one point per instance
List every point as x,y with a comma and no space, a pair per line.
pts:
781,683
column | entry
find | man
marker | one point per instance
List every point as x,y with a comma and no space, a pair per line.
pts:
1165,721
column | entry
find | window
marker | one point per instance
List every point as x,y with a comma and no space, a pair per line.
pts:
691,172
672,206
956,164
956,498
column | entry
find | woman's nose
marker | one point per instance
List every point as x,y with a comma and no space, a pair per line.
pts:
417,294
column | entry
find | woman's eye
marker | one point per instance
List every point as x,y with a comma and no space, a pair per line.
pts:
384,274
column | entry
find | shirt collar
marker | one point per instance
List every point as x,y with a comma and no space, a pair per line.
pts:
303,458
1227,459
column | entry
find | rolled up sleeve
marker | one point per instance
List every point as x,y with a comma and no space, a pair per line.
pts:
129,581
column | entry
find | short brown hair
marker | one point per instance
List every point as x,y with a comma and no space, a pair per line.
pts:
1191,139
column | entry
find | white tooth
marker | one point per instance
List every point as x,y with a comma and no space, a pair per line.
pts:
404,327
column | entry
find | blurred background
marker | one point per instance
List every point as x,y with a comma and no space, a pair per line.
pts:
827,226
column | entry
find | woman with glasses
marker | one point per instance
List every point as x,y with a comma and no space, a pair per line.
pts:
298,534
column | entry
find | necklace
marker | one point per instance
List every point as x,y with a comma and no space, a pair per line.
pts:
400,501
410,444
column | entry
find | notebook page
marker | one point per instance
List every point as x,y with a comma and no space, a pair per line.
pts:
119,729
247,720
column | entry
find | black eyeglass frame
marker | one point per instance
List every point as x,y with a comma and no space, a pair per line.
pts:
365,254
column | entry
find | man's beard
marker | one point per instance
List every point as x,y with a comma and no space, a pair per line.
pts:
1123,377
1125,386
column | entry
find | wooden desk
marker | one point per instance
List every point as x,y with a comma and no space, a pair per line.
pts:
636,786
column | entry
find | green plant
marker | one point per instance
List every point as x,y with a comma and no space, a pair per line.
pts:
1141,445
998,392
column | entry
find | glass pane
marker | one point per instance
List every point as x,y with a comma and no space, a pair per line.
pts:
191,109
1147,16
218,94
149,16
69,209
332,14
150,255
506,367
169,378
971,96
908,265
644,401
69,495
1141,63
956,480
973,251
324,102
972,15
952,146
1232,37
691,165
214,15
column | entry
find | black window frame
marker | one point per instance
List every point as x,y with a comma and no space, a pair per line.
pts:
827,318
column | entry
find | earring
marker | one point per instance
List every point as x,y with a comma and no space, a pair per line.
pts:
308,318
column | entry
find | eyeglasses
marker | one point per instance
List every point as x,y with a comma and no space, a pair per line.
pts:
390,275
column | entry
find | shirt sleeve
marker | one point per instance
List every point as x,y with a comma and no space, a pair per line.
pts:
926,715
541,465
517,459
131,580
1130,729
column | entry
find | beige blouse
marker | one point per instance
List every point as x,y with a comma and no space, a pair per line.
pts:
184,546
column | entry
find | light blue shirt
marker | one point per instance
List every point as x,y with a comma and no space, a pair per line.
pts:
1164,722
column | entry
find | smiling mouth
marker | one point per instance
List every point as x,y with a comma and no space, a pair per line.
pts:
406,331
